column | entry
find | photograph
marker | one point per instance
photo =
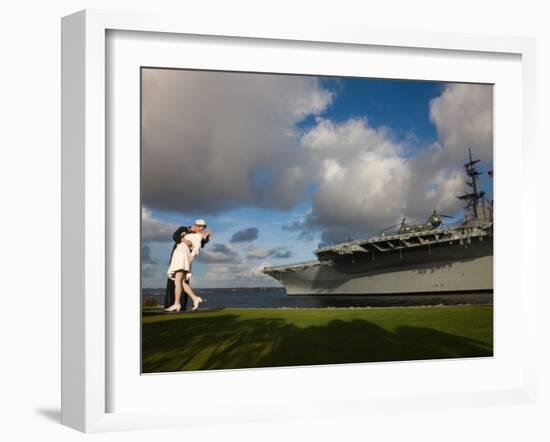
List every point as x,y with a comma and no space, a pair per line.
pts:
302,220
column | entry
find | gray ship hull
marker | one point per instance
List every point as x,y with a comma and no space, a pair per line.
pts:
448,268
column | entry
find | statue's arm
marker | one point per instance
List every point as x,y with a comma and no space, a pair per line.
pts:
176,236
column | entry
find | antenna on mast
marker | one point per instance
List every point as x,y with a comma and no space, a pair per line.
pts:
472,198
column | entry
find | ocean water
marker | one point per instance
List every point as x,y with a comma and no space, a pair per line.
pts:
267,297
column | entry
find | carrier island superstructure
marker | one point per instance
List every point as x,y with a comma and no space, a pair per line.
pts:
417,258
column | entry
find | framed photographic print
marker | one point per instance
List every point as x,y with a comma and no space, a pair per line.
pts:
303,167
270,222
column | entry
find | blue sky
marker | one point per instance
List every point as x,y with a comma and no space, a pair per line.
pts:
300,160
399,104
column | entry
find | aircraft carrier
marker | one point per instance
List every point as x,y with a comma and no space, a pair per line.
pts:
416,258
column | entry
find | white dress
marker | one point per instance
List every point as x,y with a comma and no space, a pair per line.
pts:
183,255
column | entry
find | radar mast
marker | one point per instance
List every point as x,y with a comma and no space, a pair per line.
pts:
472,198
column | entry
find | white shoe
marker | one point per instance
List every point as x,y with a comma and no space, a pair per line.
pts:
173,308
196,306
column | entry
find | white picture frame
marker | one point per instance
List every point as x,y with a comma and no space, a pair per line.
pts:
86,211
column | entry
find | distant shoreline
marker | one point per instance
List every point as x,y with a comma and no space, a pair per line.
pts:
221,288
274,297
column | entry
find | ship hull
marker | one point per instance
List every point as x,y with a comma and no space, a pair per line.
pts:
440,270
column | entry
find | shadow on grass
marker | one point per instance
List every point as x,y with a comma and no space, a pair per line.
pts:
225,341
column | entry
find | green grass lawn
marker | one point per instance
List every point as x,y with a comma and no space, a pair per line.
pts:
244,338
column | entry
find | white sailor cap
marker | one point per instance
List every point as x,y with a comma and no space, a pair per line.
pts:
200,222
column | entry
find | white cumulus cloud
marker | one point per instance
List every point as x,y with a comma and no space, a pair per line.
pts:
463,116
153,229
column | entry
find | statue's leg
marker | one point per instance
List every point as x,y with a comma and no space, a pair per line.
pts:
169,294
184,298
